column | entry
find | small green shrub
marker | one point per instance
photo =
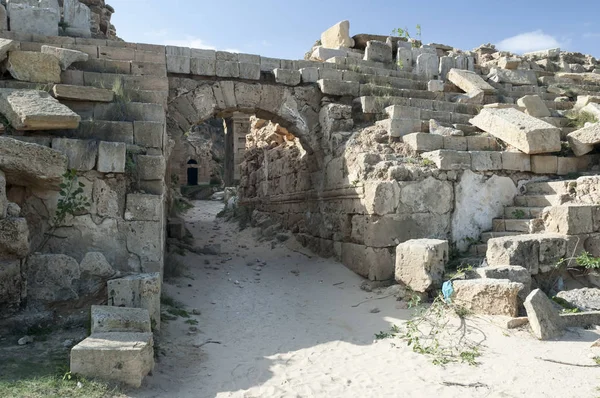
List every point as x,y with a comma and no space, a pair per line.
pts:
518,214
579,119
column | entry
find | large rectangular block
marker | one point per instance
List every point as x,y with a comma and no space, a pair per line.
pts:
287,77
373,263
423,142
341,88
486,160
137,291
116,357
80,153
455,143
469,81
524,132
203,67
144,207
148,134
106,319
420,263
516,161
515,77
178,64
544,164
583,140
482,143
249,71
79,93
570,219
449,160
150,167
111,157
227,69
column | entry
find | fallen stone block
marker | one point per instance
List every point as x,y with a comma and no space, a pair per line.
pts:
449,160
116,357
524,132
337,36
487,296
77,16
420,263
400,127
39,19
52,278
423,142
65,56
543,317
592,108
515,77
376,264
472,97
14,238
137,291
436,128
509,63
378,51
36,110
7,45
582,100
81,93
569,219
582,141
33,67
469,81
513,273
119,319
583,320
31,165
534,106
585,299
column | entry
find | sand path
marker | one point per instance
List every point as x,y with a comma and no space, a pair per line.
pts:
290,330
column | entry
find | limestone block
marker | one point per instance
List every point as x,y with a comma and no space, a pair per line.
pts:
137,291
287,77
269,64
94,264
36,110
404,58
52,278
582,100
143,207
436,128
65,56
513,273
486,160
571,165
376,264
569,219
33,165
524,132
543,317
534,106
529,251
482,143
469,81
337,36
227,69
428,65
509,63
436,86
381,197
335,87
420,263
145,239
515,77
26,18
203,66
487,296
77,15
403,112
455,143
178,64
592,108
148,134
111,157
586,299
449,160
151,167
3,19
423,197
549,53
11,286
3,199
446,64
309,75
7,45
100,354
34,67
81,154
583,140
423,142
82,93
14,238
378,51
516,161
400,127
544,164
249,71
472,97
106,319
224,94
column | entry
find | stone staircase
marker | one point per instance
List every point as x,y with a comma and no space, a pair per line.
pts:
521,217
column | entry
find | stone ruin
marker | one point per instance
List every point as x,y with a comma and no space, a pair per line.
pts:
389,155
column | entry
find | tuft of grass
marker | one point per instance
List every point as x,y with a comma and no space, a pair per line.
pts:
178,312
191,322
579,119
167,300
518,214
58,386
119,110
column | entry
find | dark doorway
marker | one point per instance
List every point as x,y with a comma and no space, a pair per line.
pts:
192,173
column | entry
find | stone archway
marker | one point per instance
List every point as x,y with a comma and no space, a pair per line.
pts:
192,172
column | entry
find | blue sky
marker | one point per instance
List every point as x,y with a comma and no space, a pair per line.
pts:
287,29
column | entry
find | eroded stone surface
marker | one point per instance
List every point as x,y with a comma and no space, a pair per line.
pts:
34,67
420,263
487,296
543,316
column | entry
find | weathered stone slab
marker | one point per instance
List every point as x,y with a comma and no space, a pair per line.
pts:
423,142
111,157
36,110
524,132
335,87
543,317
513,273
287,77
337,36
378,51
7,45
34,67
469,81
516,161
42,20
77,15
80,153
377,264
449,160
487,296
534,106
82,93
427,65
509,63
486,160
137,291
585,299
52,278
516,77
592,108
98,356
143,207
107,319
582,141
14,238
65,56
569,219
420,263
151,167
544,164
27,164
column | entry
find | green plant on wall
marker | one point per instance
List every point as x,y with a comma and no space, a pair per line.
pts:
71,201
405,33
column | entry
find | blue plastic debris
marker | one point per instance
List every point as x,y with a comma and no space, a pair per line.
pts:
447,290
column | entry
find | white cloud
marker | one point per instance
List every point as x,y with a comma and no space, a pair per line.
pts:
529,41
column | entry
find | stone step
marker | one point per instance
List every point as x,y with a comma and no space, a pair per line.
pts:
119,319
372,68
511,225
486,236
537,200
115,357
517,213
113,81
434,102
549,187
136,68
118,111
383,81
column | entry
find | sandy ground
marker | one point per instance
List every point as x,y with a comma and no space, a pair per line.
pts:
289,329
